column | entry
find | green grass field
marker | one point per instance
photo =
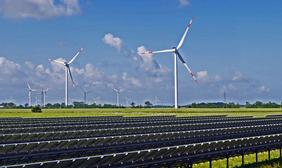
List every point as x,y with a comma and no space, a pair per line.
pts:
249,161
131,112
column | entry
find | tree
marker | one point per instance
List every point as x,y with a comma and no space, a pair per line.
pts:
248,105
8,105
78,104
132,104
36,109
148,103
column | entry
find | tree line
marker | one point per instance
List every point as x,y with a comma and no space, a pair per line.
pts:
148,104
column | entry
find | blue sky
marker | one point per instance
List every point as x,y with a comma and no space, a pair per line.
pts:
233,46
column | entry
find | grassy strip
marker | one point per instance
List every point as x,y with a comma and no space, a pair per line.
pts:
133,112
249,161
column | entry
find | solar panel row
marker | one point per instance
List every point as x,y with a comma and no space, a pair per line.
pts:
118,121
7,139
199,125
171,154
122,142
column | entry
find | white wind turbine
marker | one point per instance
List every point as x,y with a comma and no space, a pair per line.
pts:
85,93
30,90
176,54
118,91
43,96
67,74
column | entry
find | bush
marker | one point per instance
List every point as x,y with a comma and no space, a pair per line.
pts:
36,109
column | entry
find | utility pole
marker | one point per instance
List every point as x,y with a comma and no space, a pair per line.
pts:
224,99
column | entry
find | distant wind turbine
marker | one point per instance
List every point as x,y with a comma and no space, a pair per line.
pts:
85,93
67,74
30,90
156,100
118,91
43,96
85,96
176,55
127,100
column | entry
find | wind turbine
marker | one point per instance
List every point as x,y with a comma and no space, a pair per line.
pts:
43,96
30,90
156,100
85,92
85,96
176,54
67,74
127,100
118,91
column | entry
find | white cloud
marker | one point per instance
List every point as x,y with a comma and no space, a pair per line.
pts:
53,75
202,76
112,41
90,72
146,56
10,73
38,9
148,64
184,2
264,89
8,67
40,70
237,76
13,78
131,80
29,65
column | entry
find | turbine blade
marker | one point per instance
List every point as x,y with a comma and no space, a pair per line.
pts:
162,51
73,83
187,67
57,61
28,86
30,89
184,35
76,55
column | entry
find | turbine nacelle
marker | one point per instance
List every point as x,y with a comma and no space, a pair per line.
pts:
30,89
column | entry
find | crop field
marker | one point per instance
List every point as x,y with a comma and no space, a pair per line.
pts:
137,112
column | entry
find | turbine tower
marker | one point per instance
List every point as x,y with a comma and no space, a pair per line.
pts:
176,54
156,100
85,93
43,96
85,96
67,74
30,90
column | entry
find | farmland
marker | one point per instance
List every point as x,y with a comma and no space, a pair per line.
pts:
135,112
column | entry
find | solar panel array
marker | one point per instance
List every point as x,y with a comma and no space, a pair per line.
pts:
133,142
